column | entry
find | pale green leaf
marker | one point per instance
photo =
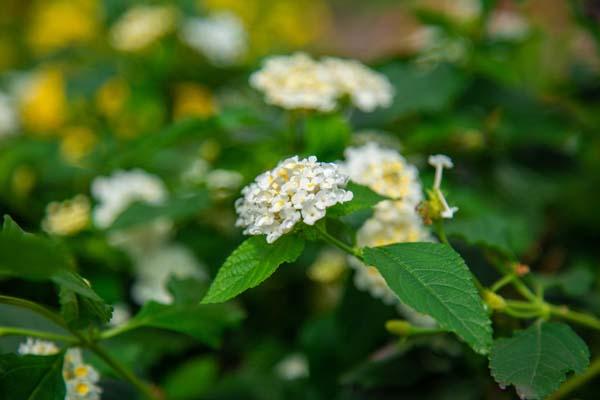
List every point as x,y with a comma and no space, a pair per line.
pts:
434,280
537,359
250,264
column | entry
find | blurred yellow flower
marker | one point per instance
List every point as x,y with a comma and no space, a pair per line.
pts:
57,24
112,96
43,101
68,217
77,142
328,267
141,26
276,25
193,100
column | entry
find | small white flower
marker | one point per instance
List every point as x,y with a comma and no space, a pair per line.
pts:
220,37
121,314
296,190
294,366
154,269
9,120
141,26
38,347
123,188
507,25
296,82
115,194
366,88
441,161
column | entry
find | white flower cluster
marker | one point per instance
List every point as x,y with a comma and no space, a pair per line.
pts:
9,121
507,25
386,172
156,268
80,378
296,190
221,37
141,26
154,257
300,82
118,191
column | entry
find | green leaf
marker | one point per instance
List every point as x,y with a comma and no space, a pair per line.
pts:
31,377
204,322
434,280
175,209
502,233
80,305
537,359
250,264
191,379
326,135
30,256
363,198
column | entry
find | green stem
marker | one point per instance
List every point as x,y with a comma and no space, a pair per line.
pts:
109,333
122,370
506,279
10,331
441,232
353,251
576,381
80,340
577,317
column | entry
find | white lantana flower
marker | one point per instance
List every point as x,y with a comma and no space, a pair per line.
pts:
507,25
296,82
154,270
440,162
118,191
366,88
300,82
220,37
141,26
296,190
38,347
81,379
386,172
9,121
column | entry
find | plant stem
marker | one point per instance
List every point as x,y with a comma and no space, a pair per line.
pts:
10,331
441,232
577,317
576,381
353,251
109,333
80,341
122,370
506,279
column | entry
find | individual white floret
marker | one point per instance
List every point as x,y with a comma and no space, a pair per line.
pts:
296,190
220,37
296,82
366,88
441,161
